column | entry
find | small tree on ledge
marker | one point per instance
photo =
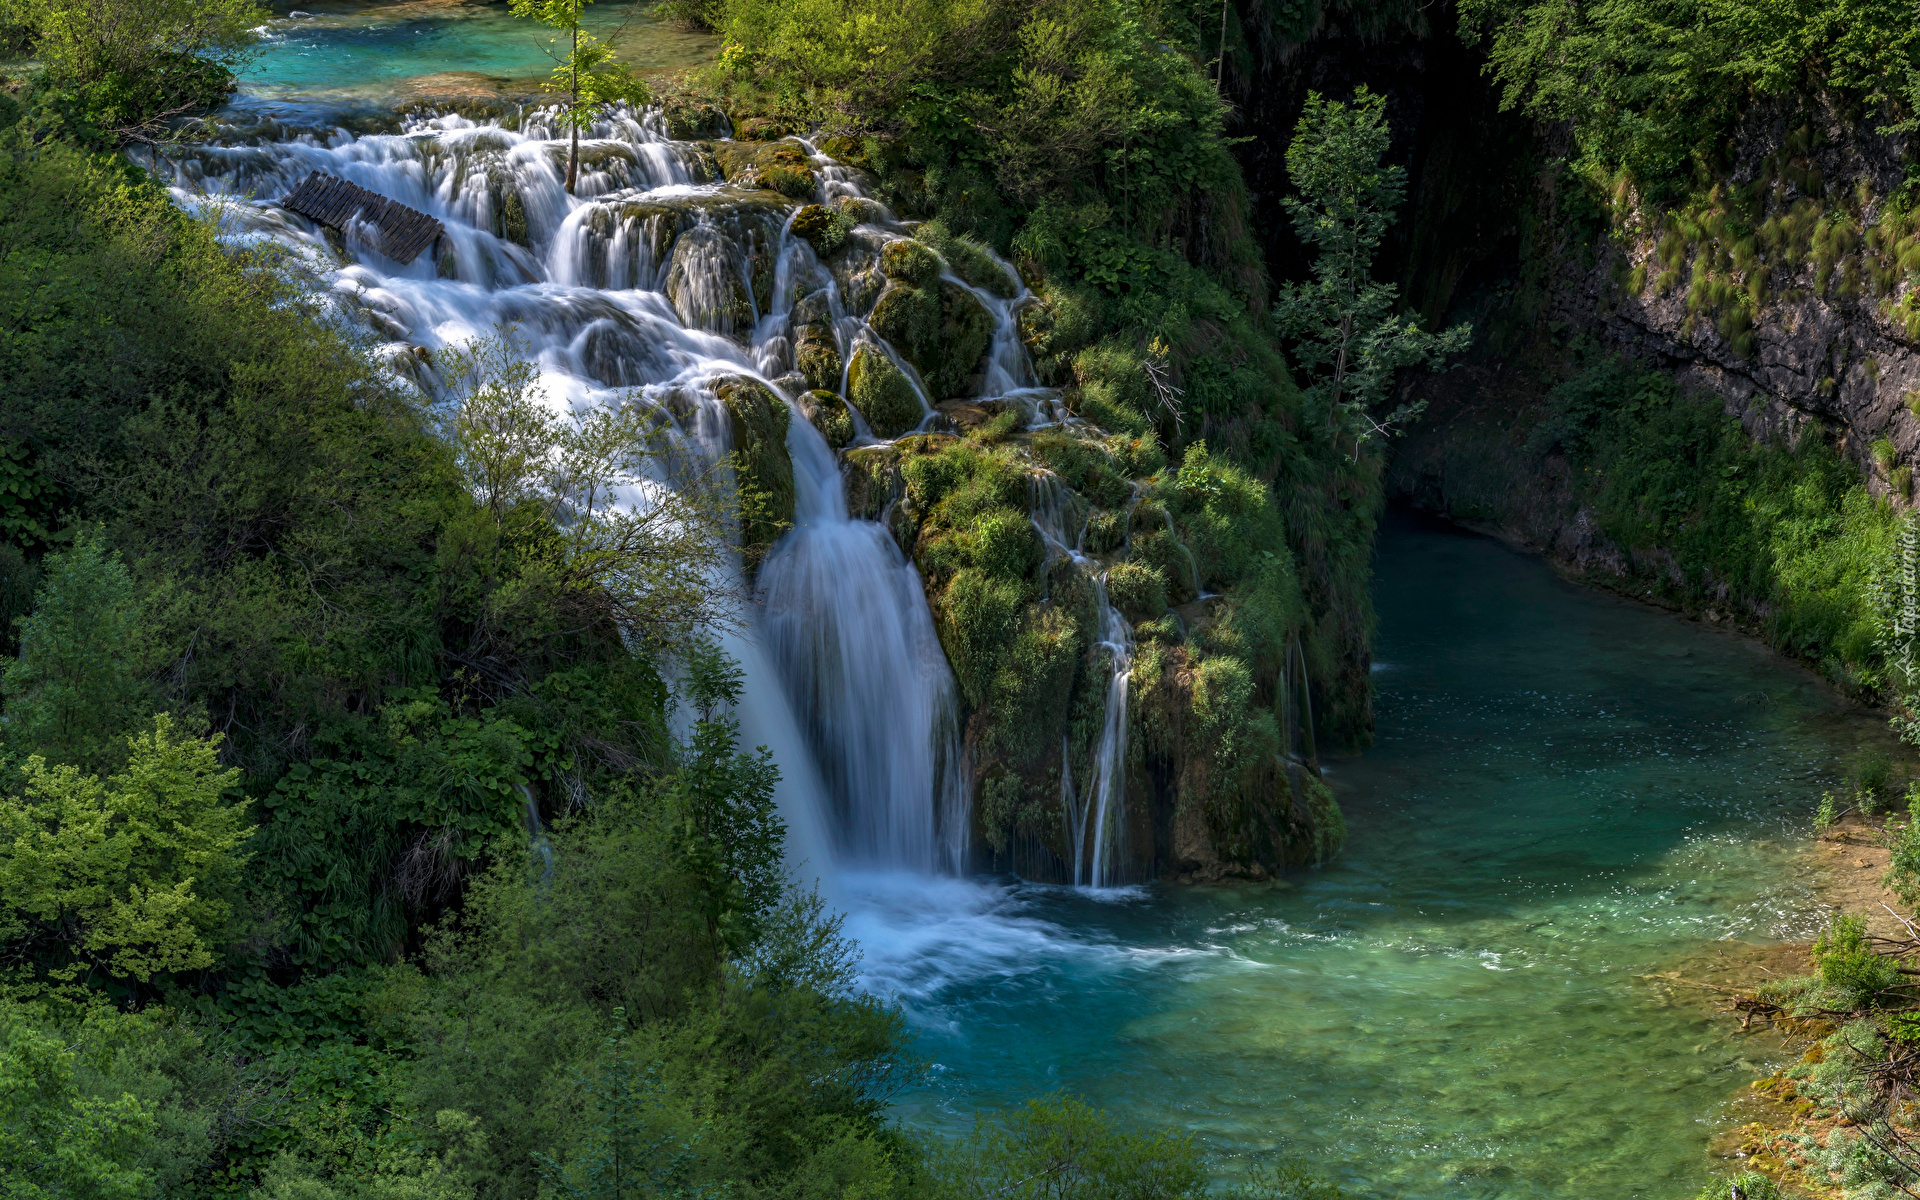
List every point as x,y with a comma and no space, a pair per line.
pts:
1345,337
587,76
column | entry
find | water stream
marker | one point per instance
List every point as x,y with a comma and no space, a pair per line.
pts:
1567,794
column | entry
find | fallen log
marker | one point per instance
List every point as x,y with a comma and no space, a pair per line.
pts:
332,201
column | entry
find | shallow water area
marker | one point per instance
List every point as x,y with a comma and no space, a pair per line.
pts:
1568,793
353,50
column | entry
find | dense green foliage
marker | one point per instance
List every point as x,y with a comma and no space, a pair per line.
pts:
1082,142
121,68
1656,87
354,843
1785,534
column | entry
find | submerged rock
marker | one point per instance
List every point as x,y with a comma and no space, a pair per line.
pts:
704,283
882,393
758,420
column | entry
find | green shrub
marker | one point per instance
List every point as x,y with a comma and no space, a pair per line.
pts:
1848,964
1138,590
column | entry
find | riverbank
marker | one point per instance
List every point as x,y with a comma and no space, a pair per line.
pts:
1845,865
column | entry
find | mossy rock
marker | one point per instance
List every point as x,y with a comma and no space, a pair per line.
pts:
944,332
814,308
970,261
873,480
859,209
1138,590
785,168
687,122
841,148
737,161
828,413
704,284
818,358
511,222
758,420
882,393
824,229
762,129
909,262
976,266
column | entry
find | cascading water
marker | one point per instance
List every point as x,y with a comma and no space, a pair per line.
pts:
641,289
1095,814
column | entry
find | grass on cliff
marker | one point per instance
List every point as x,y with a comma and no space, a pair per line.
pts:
1786,535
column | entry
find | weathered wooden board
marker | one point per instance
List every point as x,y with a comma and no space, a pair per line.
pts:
332,201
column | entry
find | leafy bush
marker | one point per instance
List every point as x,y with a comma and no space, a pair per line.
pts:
1784,530
132,874
1654,88
1848,964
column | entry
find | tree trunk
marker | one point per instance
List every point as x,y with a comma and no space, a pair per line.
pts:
573,108
1220,67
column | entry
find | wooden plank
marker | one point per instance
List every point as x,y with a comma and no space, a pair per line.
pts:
333,202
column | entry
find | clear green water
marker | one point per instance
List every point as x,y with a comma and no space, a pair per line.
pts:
357,49
1568,792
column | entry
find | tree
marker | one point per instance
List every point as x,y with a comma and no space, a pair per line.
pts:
1347,339
588,76
77,684
732,833
56,1144
128,873
135,63
633,1146
650,558
1061,1148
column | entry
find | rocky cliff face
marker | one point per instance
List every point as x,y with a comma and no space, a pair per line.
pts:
1785,296
1791,298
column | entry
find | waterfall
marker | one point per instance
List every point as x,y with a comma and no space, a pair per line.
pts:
1096,814
651,287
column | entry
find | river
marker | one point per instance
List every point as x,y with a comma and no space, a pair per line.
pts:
1568,792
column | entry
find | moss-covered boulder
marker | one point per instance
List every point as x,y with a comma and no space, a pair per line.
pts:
828,413
882,393
824,229
859,210
942,330
909,262
704,283
780,166
818,357
970,261
757,420
1138,590
688,121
